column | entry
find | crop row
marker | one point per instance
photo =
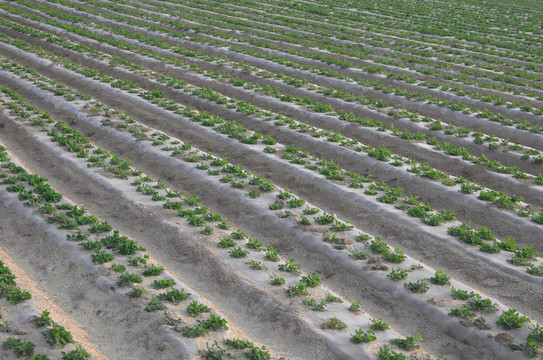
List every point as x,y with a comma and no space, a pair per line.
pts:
448,148
290,36
238,178
205,83
76,219
382,153
353,20
285,194
494,142
332,170
53,333
109,248
414,117
458,90
523,125
323,40
300,34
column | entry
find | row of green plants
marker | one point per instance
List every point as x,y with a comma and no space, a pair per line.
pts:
391,26
8,285
306,283
84,226
322,41
371,68
399,91
502,200
117,241
355,50
478,137
142,182
522,125
510,319
240,179
110,243
377,246
303,10
487,242
55,334
234,182
157,139
287,265
401,44
402,11
431,219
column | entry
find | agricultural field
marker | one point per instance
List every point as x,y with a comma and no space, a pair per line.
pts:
269,179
